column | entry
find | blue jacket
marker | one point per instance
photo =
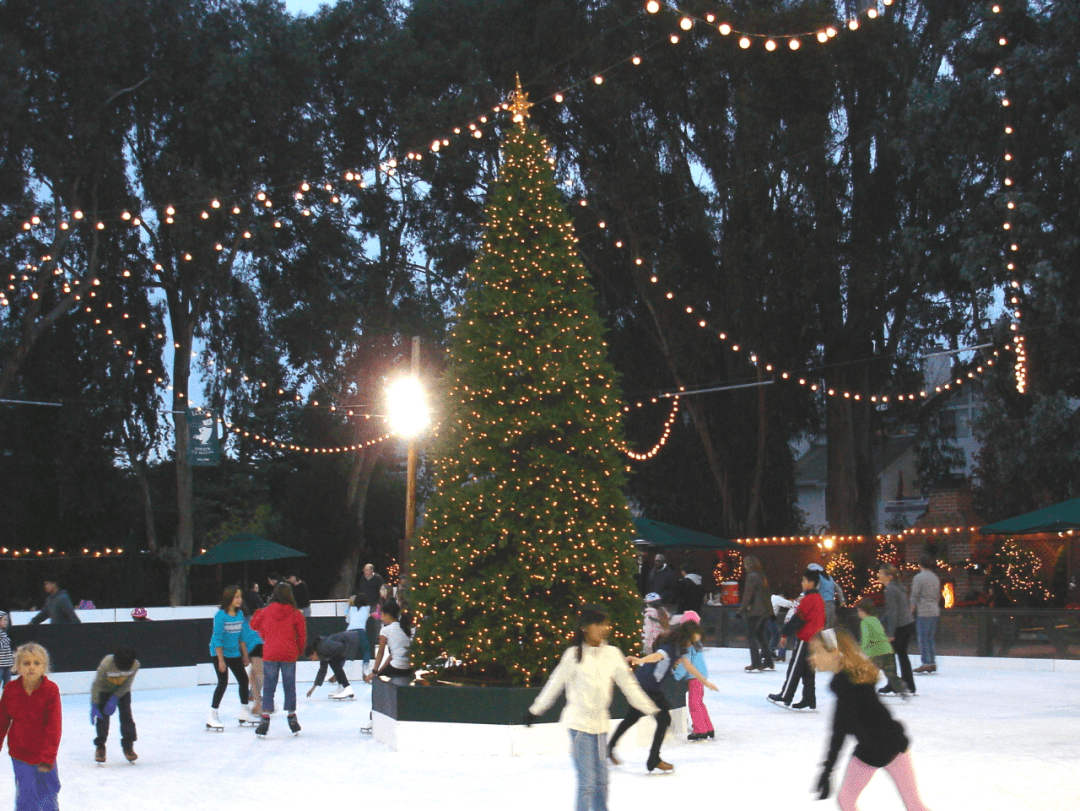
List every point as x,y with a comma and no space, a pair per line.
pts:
228,633
827,588
697,659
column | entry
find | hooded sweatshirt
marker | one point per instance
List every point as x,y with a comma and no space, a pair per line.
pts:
283,631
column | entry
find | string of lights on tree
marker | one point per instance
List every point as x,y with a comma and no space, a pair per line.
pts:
1012,258
770,41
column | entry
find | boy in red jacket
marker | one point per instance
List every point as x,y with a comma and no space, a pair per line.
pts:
806,622
30,719
284,634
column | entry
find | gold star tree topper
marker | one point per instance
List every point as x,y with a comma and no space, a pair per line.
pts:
519,103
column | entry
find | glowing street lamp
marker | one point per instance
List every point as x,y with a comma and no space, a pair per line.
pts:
409,415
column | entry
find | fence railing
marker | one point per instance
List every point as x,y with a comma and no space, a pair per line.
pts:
1032,633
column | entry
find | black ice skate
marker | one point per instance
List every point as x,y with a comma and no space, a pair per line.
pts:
294,725
263,727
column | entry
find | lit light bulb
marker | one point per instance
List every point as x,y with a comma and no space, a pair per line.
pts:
744,42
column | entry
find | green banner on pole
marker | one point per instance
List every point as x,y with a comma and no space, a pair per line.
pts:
204,447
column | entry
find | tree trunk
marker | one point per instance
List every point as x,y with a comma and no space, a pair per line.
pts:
183,325
753,512
359,481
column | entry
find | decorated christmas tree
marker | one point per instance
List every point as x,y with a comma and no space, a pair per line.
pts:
528,521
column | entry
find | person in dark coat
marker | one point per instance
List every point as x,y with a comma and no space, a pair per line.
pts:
880,740
332,651
757,608
370,586
662,580
688,592
300,593
58,607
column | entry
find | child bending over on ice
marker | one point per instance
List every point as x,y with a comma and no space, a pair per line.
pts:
110,691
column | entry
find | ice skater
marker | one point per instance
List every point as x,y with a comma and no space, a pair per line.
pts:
656,622
111,691
586,673
228,650
757,608
332,651
875,644
284,634
898,622
880,741
7,660
30,719
395,638
691,664
808,620
652,671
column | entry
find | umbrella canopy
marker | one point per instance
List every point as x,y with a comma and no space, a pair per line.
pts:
244,547
1055,518
669,536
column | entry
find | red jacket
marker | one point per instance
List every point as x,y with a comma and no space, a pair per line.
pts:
809,618
283,631
31,723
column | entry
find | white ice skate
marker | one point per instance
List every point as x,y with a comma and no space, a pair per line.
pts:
214,723
246,718
344,694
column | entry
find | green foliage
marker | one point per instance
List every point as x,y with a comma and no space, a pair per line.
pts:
528,521
1030,454
1016,572
941,461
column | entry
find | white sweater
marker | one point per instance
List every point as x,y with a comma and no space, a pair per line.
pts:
588,686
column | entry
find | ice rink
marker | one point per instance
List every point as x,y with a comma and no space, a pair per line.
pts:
981,740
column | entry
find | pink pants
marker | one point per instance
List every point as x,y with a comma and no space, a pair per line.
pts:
858,775
699,716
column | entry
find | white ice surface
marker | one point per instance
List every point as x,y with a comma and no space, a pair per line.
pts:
981,740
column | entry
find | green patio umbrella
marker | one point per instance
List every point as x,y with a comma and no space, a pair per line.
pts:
668,536
1055,518
241,548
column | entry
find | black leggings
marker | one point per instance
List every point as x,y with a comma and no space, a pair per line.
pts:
236,665
663,720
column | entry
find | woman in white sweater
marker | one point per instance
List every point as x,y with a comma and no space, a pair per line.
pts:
586,673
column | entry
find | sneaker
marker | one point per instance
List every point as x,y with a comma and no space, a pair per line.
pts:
129,753
99,754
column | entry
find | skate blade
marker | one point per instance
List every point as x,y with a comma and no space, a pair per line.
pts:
343,698
366,730
214,729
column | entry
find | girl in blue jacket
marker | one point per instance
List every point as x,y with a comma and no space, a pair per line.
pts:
229,651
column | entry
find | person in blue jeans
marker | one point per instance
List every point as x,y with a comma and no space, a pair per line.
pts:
284,634
926,606
586,673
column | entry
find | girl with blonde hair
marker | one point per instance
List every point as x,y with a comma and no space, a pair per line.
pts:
881,742
30,719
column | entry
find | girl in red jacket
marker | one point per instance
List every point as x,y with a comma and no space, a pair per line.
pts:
30,718
284,635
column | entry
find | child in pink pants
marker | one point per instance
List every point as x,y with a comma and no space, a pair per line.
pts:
691,664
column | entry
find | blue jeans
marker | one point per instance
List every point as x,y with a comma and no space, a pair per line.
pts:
926,627
288,684
34,790
590,759
5,675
